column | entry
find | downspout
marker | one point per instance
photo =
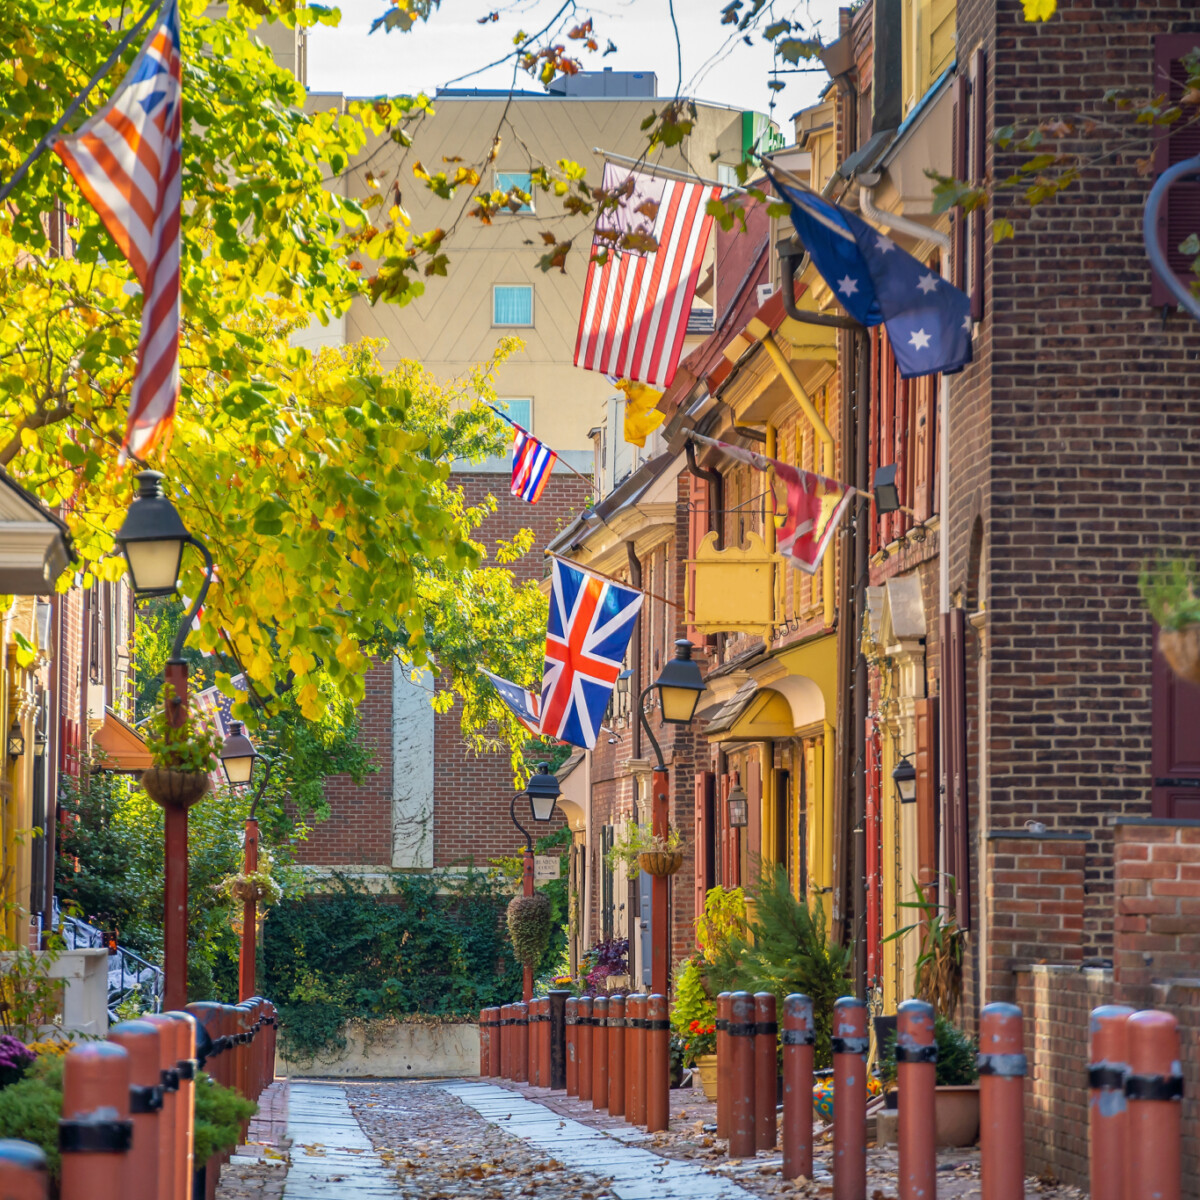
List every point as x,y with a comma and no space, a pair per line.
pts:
717,482
828,468
866,204
635,689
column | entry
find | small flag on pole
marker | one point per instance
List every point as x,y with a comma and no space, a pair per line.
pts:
532,464
525,706
127,161
591,622
636,303
808,507
928,319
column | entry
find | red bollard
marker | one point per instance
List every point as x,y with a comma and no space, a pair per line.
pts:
658,1064
600,1052
584,1033
1153,1090
616,1056
185,1104
740,1035
485,1039
766,1041
142,1041
170,1145
506,1037
95,1132
23,1174
493,1063
534,1072
916,1075
724,1050
1108,1061
572,1023
1002,1103
635,1059
521,1042
850,1044
799,1035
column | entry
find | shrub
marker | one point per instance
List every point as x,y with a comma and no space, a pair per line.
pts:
692,1001
30,1108
957,1055
220,1114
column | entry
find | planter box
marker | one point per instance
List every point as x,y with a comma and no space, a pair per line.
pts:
957,1110
386,1050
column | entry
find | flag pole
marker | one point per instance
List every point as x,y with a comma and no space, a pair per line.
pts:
611,578
51,135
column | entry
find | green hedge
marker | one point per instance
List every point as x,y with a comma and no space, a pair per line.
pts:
434,945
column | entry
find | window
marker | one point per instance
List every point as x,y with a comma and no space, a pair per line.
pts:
522,181
519,410
512,304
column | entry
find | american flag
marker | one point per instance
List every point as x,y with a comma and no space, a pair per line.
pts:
525,705
591,622
636,305
808,507
127,162
218,707
532,464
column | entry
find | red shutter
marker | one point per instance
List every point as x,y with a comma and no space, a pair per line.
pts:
926,764
1174,744
978,170
874,855
701,845
903,477
954,758
1180,212
887,418
873,422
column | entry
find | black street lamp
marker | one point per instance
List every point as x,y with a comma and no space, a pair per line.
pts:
16,740
738,806
542,792
152,538
679,686
905,779
238,755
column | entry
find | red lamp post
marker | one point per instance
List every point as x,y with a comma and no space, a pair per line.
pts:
238,757
679,687
152,539
542,791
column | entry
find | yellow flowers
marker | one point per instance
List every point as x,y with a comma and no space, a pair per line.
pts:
1039,10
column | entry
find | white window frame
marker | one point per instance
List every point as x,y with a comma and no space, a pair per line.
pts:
510,324
526,209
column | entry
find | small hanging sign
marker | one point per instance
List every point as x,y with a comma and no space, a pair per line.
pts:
546,867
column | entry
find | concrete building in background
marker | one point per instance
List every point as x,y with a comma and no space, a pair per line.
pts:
433,803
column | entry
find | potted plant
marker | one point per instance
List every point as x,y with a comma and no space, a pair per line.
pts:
1171,591
693,1020
956,1096
184,755
639,849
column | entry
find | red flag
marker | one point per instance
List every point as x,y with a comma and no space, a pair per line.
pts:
808,507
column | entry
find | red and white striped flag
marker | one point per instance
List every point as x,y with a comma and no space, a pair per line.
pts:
127,161
636,305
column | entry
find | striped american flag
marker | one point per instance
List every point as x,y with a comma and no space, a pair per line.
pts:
636,305
127,162
532,463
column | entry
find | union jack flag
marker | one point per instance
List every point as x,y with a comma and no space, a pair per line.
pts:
127,162
591,622
525,706
531,466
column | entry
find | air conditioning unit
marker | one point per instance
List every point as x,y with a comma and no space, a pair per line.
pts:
765,292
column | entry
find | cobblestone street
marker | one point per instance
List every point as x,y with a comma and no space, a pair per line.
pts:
425,1140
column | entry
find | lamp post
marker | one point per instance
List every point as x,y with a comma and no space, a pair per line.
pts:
238,757
542,791
152,539
679,687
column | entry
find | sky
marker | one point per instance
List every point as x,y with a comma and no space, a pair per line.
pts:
349,59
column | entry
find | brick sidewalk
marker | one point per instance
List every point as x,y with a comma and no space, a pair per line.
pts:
258,1169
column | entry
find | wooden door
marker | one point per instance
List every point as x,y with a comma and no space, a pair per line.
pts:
1174,744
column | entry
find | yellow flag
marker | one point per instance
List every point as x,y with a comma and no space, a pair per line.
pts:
641,417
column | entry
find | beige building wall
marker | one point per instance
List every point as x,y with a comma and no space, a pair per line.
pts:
450,327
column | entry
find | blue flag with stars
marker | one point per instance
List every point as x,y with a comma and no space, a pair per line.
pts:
928,319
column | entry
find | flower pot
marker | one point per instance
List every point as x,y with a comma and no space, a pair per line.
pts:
706,1068
661,862
1181,649
244,890
957,1115
174,789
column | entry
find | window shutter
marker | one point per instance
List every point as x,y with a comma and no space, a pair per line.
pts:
874,912
926,764
754,826
959,168
978,171
702,843
954,759
1179,215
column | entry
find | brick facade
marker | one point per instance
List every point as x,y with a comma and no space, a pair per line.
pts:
471,822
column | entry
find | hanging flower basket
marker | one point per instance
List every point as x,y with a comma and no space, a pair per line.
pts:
1181,649
661,862
174,789
245,890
